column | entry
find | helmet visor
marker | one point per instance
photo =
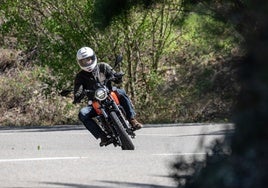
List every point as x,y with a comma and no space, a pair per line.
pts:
87,61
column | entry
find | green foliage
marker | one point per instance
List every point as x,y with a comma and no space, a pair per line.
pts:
206,34
204,81
106,10
144,32
52,33
50,28
146,37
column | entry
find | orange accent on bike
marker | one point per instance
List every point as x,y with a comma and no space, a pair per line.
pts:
96,106
115,98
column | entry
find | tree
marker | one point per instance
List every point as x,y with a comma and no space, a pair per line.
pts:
241,160
145,37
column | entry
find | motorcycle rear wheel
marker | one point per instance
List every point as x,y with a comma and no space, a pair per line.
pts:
127,144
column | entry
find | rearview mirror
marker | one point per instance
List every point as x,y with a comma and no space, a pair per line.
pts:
118,60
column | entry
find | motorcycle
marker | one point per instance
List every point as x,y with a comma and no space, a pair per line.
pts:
111,115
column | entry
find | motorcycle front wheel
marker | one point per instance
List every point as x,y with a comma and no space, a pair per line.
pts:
123,136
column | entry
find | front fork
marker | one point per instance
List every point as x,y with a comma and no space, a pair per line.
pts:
125,122
121,116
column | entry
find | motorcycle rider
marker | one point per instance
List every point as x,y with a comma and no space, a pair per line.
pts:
92,73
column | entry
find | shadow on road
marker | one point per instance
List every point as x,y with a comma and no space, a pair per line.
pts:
73,185
116,184
44,128
215,133
129,184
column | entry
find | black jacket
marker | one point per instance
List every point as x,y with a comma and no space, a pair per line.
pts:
87,80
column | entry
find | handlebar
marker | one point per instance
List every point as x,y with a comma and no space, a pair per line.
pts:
117,76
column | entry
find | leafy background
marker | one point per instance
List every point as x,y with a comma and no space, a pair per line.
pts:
178,64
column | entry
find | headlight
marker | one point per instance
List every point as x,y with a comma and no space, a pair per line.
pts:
101,94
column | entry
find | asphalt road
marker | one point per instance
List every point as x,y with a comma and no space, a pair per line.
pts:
68,156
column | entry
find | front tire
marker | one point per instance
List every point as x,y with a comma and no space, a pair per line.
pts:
124,138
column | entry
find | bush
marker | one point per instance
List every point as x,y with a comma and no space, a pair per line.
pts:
25,100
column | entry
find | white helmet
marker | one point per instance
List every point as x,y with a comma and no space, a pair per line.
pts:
86,59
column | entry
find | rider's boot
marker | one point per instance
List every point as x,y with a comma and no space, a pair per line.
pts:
105,141
135,124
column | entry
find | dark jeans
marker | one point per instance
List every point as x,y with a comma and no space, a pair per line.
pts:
87,113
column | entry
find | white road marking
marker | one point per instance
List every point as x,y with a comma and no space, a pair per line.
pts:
68,133
40,159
